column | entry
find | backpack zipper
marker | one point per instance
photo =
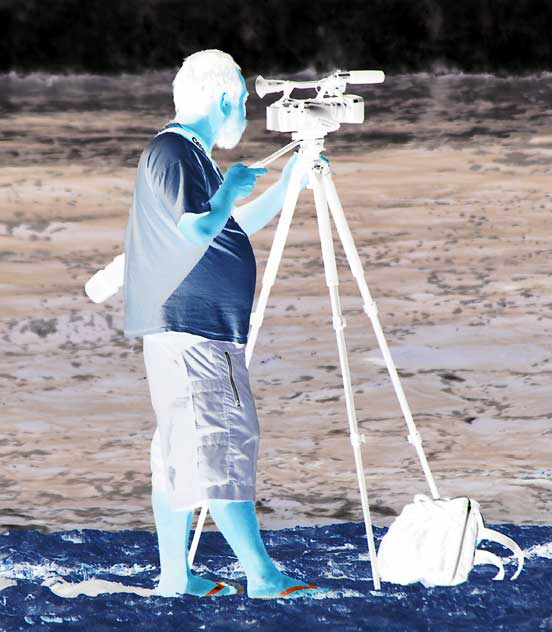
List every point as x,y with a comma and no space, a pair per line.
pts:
462,539
234,389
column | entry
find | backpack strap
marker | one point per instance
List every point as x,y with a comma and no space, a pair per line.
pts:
191,137
490,534
486,557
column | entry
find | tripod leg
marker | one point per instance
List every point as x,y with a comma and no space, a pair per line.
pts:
330,269
197,534
256,318
370,309
273,262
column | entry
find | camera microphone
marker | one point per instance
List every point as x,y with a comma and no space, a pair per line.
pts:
362,76
266,86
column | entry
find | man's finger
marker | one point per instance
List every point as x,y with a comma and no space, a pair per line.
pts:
259,170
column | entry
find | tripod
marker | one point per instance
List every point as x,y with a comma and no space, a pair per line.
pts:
325,195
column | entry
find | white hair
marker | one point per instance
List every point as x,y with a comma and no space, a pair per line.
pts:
200,82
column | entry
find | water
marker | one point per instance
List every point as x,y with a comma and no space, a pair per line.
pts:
334,556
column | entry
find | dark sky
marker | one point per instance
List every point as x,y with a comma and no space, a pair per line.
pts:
278,35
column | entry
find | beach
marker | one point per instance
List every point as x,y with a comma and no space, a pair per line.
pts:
448,193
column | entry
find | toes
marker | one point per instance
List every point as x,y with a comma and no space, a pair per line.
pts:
303,590
310,592
295,592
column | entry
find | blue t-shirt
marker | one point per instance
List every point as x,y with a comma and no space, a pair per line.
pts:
170,283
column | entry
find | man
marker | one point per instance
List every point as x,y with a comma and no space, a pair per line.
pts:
189,286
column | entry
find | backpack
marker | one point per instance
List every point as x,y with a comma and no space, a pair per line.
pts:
434,542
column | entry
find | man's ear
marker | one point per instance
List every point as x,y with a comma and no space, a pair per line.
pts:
224,104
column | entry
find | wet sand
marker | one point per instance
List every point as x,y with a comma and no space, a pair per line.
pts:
447,189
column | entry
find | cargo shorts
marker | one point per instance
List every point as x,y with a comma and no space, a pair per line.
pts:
207,437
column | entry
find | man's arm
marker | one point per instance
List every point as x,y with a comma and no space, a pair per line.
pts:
259,212
202,227
210,224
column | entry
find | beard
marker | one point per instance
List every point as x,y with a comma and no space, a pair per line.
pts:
230,133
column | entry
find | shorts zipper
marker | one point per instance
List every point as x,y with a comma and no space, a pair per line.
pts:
235,390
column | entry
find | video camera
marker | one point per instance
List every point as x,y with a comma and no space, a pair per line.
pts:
319,115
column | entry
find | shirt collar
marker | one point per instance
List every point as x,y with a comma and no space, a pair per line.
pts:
196,139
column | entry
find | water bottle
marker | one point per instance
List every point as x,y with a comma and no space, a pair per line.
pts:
107,281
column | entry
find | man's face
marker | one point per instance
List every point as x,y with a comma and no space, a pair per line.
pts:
234,125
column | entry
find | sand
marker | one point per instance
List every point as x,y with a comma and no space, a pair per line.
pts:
447,190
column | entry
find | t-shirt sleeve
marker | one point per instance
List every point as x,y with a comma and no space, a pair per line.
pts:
180,187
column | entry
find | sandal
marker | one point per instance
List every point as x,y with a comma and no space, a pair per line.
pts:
238,588
288,591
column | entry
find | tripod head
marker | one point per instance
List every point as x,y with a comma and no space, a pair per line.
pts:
325,112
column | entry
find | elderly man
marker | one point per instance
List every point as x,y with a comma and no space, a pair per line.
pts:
189,286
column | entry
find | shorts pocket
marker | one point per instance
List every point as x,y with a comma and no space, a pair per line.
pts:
212,431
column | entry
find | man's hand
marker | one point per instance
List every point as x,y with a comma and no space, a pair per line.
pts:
293,164
240,180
